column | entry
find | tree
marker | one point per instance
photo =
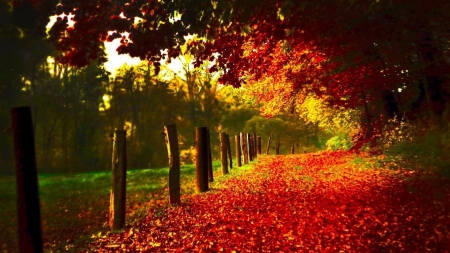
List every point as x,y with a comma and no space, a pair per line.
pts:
387,59
234,118
139,99
23,53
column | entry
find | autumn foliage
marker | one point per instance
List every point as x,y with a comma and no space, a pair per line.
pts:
388,59
325,202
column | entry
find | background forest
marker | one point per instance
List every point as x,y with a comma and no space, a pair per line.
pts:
75,110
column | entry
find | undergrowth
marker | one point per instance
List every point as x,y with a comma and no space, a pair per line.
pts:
416,147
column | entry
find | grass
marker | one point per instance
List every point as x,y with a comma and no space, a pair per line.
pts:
75,209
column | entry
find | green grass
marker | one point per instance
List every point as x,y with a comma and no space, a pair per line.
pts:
234,172
76,208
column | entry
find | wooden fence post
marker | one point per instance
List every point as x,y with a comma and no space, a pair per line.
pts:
249,147
118,181
258,144
255,145
210,168
29,224
277,149
268,145
111,138
229,151
174,163
223,153
244,147
201,161
237,142
292,149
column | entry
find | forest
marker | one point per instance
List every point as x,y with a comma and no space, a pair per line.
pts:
362,79
384,68
76,109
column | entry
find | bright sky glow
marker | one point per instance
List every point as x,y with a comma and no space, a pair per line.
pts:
115,60
53,20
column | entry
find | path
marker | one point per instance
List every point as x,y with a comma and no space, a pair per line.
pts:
301,203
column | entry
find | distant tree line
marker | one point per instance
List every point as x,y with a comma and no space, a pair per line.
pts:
75,110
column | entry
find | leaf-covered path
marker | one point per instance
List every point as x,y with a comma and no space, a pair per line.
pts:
303,203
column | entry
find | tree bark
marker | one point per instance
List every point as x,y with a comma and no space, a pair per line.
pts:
29,224
277,150
174,163
292,149
237,142
223,153
118,181
201,163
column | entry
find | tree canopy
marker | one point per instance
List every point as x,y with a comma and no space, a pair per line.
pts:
389,58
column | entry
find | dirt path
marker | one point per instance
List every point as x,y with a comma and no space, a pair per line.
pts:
302,203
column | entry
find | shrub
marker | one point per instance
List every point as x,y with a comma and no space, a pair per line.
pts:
339,142
418,147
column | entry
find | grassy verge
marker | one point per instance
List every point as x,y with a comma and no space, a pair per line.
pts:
75,209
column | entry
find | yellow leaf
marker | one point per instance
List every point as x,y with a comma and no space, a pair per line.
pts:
155,244
113,246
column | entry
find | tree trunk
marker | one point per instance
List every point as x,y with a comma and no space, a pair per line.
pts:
277,150
174,163
201,161
292,149
237,142
118,178
29,224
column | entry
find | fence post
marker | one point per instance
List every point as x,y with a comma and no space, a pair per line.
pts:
210,169
249,147
30,230
201,161
268,145
258,144
255,146
223,153
111,138
229,151
292,149
244,147
174,163
277,150
237,142
118,181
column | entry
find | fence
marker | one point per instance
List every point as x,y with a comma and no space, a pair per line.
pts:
247,146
